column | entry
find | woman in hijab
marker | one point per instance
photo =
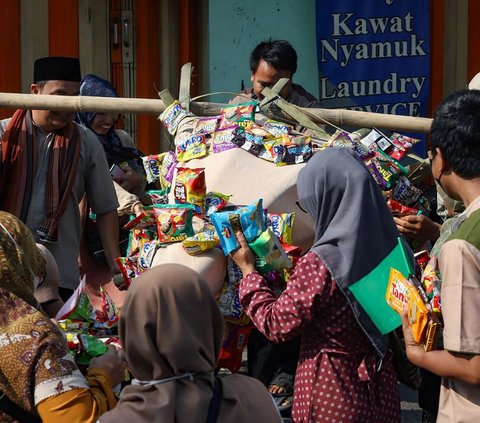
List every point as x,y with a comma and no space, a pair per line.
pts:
38,377
172,332
344,372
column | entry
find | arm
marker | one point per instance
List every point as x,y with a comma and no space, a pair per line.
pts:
464,367
129,203
107,224
283,318
418,227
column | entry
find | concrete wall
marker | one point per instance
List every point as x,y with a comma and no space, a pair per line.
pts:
237,26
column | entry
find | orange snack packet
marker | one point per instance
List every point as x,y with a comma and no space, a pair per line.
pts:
397,294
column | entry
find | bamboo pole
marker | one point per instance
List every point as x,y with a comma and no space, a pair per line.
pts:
338,117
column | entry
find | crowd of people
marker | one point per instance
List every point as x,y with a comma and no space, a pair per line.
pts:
314,348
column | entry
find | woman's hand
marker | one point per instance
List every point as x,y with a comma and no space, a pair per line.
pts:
131,180
243,255
113,363
414,350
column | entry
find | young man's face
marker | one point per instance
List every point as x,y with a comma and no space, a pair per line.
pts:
267,76
52,120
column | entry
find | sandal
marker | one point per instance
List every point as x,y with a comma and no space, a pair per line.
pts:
282,400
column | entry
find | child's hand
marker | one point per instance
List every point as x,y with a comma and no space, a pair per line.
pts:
243,255
414,350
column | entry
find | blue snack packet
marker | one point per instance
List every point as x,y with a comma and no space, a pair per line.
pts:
249,219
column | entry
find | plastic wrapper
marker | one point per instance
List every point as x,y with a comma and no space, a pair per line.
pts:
222,139
146,255
269,252
398,209
296,150
174,222
169,164
230,307
273,151
242,113
152,165
405,193
190,187
235,341
172,116
214,202
207,125
156,196
234,274
199,243
128,270
282,226
249,219
137,236
190,146
277,129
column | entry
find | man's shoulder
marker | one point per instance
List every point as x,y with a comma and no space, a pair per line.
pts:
469,230
302,98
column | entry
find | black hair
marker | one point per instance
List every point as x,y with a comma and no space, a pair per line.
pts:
277,53
456,131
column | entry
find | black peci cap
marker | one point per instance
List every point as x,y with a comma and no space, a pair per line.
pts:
57,69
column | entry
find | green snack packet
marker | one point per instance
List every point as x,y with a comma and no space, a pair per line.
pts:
91,345
270,253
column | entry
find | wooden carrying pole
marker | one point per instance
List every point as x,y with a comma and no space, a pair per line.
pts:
338,117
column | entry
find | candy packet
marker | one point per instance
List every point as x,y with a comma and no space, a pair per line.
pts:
190,146
269,252
277,129
172,116
282,226
190,187
398,209
296,149
214,202
248,219
199,243
222,139
146,255
174,222
128,270
405,193
230,307
235,341
206,125
156,196
169,164
137,236
152,165
242,113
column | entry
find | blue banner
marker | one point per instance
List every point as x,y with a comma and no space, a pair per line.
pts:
374,55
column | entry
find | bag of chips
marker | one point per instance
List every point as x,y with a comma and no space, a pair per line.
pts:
174,222
190,187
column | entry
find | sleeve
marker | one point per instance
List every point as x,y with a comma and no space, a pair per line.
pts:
283,318
125,199
80,405
99,185
459,263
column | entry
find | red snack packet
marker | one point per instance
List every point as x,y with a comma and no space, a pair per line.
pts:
190,187
398,209
236,339
128,269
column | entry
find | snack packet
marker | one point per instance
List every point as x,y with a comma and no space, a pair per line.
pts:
190,146
398,209
174,222
190,187
169,163
242,113
172,116
146,255
137,236
222,139
235,341
206,125
156,196
269,252
128,269
199,243
152,165
282,226
277,129
78,306
230,307
405,193
249,219
214,202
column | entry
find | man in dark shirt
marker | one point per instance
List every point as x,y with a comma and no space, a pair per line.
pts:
269,61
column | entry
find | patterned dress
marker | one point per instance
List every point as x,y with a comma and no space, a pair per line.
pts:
337,378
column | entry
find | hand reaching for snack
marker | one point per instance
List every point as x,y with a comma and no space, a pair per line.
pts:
243,255
413,349
113,363
418,227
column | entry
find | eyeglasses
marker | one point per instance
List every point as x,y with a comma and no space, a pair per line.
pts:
300,207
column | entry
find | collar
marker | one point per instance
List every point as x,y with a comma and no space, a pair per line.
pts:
189,376
474,205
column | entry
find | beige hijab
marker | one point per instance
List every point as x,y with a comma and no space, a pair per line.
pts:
170,327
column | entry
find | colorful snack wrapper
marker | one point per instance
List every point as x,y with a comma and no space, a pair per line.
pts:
156,196
405,193
146,255
296,149
397,294
190,146
398,209
240,140
277,129
229,304
250,220
243,113
172,116
215,201
137,236
174,222
169,163
128,269
190,187
282,226
152,165
199,243
206,125
273,151
234,274
235,341
223,139
270,254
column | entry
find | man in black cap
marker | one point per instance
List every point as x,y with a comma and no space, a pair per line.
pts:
48,164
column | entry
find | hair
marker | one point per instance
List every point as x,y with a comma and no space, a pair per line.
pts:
277,53
456,131
41,84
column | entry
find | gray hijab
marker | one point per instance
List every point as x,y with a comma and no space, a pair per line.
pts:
354,230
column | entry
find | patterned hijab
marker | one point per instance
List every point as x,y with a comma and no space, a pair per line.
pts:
171,327
93,85
354,230
35,362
